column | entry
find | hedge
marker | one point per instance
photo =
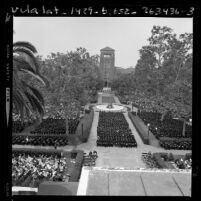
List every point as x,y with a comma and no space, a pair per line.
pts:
162,163
159,160
140,130
36,151
39,135
128,108
94,99
188,156
175,139
75,175
87,122
40,140
67,154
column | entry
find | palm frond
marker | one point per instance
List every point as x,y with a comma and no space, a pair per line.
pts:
26,98
36,106
19,102
36,76
26,45
20,63
24,66
28,56
36,93
46,81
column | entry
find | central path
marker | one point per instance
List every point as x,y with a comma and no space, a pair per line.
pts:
112,157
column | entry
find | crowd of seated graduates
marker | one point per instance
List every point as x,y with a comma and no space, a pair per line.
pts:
51,131
40,140
170,128
56,126
113,130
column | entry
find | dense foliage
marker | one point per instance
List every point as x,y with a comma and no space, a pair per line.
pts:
74,79
162,81
73,82
167,161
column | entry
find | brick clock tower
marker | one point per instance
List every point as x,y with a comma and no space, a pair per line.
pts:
107,68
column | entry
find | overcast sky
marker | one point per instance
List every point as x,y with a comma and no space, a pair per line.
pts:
124,34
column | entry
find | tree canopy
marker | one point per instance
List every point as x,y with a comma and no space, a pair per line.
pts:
74,78
164,71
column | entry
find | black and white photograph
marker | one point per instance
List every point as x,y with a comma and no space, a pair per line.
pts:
102,106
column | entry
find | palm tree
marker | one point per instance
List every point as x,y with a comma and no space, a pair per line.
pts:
27,99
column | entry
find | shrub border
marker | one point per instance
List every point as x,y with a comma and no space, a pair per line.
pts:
36,151
159,160
75,175
86,127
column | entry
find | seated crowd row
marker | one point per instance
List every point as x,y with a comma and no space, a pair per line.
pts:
56,126
178,145
169,127
48,126
113,130
40,140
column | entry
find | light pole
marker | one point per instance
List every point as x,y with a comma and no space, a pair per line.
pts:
156,132
27,139
148,125
131,106
82,129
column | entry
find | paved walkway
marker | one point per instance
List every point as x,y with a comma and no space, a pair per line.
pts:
134,131
99,98
100,181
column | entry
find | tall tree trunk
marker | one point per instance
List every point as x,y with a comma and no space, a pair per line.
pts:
184,128
67,125
66,121
78,114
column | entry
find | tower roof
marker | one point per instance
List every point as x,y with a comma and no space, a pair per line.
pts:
107,49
